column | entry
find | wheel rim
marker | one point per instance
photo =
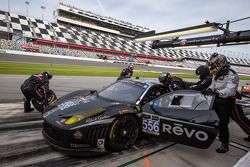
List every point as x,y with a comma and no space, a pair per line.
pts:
125,132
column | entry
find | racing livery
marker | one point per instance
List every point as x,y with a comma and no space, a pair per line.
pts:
98,121
183,116
113,118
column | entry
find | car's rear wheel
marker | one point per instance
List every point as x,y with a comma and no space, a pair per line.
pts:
123,133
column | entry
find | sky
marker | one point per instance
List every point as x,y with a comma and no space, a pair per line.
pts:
159,15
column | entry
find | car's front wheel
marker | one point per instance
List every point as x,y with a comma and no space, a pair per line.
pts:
123,133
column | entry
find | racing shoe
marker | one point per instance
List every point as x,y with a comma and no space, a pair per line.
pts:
247,138
223,148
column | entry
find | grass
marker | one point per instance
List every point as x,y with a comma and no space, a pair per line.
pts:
20,68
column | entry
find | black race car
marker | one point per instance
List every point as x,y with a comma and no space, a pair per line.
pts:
98,121
113,118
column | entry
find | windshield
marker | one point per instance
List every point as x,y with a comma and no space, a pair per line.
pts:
122,91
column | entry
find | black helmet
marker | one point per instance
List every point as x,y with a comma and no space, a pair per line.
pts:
164,78
202,71
47,74
131,67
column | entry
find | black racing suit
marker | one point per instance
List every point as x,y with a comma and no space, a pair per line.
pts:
201,85
30,88
126,73
178,84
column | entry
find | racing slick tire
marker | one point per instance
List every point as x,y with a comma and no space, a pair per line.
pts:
123,133
39,105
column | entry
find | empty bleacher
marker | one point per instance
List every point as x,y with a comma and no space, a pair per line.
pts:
64,39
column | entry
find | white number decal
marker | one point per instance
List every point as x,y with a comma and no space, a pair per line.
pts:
151,126
144,124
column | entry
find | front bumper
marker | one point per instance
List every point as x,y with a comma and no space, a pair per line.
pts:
64,141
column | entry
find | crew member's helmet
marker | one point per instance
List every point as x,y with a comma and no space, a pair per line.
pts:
47,74
202,71
131,67
164,78
217,62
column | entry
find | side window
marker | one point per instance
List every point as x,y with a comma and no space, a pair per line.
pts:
155,92
195,101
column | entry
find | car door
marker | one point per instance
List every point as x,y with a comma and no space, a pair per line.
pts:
184,117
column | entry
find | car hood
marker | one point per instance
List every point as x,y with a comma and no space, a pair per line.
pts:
78,103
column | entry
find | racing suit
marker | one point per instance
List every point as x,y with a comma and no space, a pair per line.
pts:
127,72
30,89
177,83
200,85
226,86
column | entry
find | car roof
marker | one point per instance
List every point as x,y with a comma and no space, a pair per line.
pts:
149,82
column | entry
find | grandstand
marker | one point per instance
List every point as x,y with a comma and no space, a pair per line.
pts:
74,16
83,33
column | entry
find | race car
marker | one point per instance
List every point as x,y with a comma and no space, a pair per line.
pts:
93,121
112,119
245,90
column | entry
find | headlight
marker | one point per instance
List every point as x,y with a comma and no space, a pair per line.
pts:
80,117
74,119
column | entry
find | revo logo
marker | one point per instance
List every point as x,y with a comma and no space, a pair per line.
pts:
180,130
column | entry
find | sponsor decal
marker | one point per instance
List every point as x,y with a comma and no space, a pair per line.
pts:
63,120
75,101
151,126
100,117
155,117
74,145
146,116
180,130
138,108
100,143
80,117
59,123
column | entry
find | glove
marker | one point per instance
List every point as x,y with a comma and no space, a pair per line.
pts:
209,91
